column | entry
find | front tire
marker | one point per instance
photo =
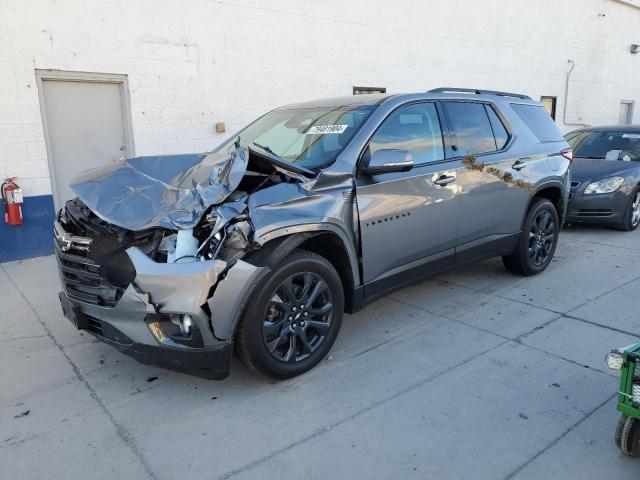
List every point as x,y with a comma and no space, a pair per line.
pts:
538,240
293,317
631,218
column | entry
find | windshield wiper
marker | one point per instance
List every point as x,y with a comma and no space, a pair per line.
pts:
268,154
266,148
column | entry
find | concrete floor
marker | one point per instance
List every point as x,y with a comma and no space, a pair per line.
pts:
475,374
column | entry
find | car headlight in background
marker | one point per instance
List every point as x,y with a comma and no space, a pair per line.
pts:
615,360
607,185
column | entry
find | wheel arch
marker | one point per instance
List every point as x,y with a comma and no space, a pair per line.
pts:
554,193
328,241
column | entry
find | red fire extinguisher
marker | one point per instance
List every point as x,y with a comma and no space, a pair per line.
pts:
12,198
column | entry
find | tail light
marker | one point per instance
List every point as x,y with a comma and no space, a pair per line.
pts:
568,154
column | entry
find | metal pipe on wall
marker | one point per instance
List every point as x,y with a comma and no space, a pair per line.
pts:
566,98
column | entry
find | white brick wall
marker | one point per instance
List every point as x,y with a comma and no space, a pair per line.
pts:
193,63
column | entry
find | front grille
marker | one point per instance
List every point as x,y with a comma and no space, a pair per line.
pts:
82,280
93,264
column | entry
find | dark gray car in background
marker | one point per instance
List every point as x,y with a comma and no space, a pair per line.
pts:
605,187
312,210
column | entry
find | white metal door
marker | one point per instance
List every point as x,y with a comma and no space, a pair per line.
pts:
85,126
626,113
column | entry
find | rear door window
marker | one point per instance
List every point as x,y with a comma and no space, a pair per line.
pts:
471,128
415,128
538,121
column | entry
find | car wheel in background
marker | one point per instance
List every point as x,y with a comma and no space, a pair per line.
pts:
293,316
631,218
538,240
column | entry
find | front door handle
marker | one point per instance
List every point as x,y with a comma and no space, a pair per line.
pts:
520,164
444,180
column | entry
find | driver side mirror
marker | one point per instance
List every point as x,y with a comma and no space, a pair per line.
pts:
388,161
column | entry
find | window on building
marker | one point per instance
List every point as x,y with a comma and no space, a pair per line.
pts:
538,121
367,90
473,133
415,128
626,113
549,104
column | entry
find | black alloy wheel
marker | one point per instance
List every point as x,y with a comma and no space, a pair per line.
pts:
538,240
292,317
541,238
297,317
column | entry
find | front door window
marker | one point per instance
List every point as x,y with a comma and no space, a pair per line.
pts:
415,128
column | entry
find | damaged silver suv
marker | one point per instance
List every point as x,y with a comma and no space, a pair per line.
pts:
312,210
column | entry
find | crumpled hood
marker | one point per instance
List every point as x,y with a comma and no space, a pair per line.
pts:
583,169
170,191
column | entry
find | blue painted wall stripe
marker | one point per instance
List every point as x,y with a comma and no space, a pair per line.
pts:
34,237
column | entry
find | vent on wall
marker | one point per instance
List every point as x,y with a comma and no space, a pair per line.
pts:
367,90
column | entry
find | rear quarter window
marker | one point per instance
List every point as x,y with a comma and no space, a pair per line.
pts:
499,131
538,121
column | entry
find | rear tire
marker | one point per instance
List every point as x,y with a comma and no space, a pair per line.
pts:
293,317
538,240
631,218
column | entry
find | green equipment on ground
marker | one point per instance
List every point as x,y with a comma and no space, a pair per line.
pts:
627,360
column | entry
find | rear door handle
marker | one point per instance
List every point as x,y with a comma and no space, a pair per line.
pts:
444,180
520,164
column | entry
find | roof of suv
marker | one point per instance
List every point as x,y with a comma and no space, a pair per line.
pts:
438,93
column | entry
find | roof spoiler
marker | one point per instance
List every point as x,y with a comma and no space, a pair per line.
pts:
479,92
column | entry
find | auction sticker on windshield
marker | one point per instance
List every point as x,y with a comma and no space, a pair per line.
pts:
324,129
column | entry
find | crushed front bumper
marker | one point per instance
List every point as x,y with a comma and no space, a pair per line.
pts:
209,362
141,320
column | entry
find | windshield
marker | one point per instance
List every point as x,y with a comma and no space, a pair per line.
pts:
308,137
605,145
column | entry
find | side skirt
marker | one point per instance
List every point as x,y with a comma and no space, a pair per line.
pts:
478,250
487,247
370,292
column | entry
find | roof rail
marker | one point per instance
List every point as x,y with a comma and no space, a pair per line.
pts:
479,92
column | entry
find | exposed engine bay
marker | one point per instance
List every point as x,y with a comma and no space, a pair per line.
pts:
223,231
